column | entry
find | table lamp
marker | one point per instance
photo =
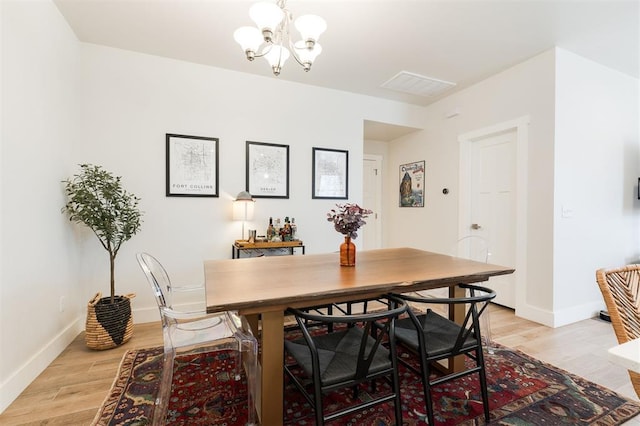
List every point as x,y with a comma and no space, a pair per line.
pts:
243,208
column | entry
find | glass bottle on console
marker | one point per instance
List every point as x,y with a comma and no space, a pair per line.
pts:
276,231
294,229
270,230
286,230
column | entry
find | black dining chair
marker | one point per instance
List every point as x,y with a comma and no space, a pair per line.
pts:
434,337
344,356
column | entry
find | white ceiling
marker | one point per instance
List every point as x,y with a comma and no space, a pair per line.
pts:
368,42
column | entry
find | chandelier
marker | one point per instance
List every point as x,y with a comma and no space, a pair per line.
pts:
272,39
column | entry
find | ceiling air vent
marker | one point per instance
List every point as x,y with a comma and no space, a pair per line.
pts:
416,84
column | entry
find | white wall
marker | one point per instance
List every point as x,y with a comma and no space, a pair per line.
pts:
38,264
597,164
131,100
584,155
64,103
526,89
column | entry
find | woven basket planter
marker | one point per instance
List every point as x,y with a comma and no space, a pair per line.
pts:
108,324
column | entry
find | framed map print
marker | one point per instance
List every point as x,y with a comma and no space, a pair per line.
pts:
330,171
192,166
267,170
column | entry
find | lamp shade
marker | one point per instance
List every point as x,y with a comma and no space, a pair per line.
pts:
305,54
243,206
310,27
244,196
249,38
277,57
266,15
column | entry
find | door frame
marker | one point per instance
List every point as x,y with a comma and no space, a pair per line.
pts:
521,128
379,207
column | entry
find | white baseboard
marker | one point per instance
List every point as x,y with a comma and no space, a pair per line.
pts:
534,314
577,313
559,318
18,381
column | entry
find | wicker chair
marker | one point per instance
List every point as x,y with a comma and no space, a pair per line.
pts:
620,289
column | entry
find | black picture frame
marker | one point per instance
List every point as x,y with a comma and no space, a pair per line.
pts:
192,166
267,170
330,174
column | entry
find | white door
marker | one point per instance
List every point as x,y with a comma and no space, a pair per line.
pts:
493,206
371,233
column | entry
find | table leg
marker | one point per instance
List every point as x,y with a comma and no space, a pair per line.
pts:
457,315
254,320
272,371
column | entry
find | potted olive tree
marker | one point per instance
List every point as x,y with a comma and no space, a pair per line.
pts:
96,198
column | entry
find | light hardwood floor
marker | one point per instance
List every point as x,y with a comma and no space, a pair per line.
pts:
73,387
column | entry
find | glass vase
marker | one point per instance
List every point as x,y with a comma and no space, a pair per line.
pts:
347,253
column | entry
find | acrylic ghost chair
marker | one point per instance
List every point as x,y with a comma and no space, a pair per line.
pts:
474,247
197,331
620,288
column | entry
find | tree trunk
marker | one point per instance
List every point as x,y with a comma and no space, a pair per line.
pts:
112,263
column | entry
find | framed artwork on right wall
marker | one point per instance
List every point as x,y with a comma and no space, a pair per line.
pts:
412,181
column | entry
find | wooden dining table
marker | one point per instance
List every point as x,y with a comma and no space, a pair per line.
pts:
263,288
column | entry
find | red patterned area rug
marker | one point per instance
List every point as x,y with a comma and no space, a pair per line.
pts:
522,391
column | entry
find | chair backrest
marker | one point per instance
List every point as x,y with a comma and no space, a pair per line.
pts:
620,289
472,247
475,304
380,321
157,277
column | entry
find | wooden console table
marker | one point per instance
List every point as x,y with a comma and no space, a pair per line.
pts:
239,246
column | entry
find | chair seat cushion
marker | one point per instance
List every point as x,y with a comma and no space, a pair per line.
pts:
440,334
338,354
